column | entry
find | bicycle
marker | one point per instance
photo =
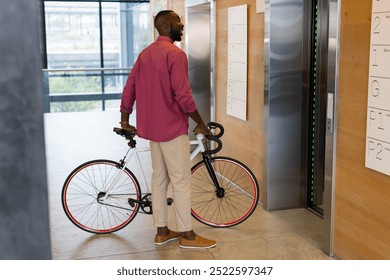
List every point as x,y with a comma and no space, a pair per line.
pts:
103,196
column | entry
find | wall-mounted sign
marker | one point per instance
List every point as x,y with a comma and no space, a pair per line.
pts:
237,61
260,6
378,108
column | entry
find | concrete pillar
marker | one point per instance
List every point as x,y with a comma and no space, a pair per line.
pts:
24,219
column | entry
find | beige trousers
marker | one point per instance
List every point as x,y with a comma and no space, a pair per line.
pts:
171,166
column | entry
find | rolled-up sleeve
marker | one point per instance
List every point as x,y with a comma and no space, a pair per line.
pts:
180,82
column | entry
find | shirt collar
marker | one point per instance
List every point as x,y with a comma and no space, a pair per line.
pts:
164,38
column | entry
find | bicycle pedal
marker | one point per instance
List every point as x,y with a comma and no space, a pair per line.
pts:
169,201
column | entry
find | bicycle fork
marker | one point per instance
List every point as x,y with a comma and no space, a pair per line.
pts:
219,191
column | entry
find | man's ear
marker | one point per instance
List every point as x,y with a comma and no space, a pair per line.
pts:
167,24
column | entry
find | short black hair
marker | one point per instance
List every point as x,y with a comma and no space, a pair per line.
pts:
162,13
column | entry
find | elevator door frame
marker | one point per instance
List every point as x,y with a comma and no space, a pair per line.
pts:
286,88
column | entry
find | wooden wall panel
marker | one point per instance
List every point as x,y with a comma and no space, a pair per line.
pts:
362,196
243,139
178,6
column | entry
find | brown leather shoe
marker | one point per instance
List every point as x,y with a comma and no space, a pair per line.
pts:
162,239
198,243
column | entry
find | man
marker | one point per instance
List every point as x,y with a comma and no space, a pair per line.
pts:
159,82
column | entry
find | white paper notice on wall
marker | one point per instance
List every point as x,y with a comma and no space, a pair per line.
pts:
260,6
378,105
237,61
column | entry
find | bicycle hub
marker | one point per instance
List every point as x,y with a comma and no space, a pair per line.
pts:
220,192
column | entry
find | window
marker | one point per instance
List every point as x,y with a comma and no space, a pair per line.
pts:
90,49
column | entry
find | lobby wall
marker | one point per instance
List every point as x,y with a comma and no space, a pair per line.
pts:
362,195
24,221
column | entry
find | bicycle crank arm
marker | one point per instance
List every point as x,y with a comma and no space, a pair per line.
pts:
132,202
146,202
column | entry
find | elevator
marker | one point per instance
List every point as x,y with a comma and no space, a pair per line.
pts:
200,46
300,50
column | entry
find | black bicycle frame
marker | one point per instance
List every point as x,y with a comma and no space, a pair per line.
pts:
220,192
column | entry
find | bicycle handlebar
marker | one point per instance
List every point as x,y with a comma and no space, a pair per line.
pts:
216,140
129,135
214,125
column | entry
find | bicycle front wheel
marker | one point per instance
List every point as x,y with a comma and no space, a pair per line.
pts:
84,189
240,198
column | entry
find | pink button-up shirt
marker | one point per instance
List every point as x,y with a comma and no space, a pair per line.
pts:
159,82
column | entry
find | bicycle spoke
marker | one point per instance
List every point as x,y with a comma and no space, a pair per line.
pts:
85,181
85,201
236,203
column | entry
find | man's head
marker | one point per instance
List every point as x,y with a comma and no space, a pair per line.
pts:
168,23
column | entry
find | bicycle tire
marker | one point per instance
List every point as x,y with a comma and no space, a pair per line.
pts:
88,181
241,193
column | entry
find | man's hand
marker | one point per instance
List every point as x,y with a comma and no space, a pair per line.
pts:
202,129
125,123
128,127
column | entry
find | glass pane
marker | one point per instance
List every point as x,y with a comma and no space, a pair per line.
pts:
72,34
111,34
75,106
142,30
113,105
73,83
73,42
114,81
126,32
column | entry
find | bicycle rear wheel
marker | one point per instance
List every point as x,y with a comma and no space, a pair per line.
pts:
87,184
241,193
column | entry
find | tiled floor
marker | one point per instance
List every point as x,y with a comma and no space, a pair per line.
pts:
73,138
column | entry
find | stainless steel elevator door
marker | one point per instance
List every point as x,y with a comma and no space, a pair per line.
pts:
199,52
285,127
